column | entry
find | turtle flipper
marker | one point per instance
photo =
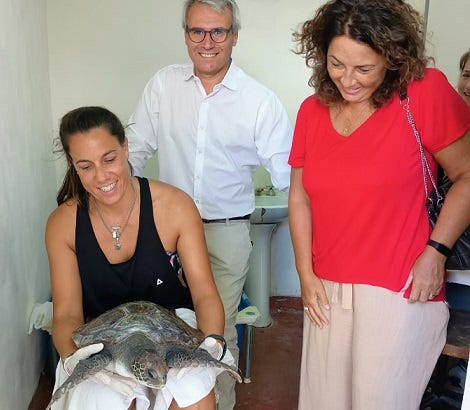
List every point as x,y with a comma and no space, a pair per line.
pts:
179,357
84,370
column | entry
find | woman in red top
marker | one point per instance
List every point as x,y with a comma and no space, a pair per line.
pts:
363,246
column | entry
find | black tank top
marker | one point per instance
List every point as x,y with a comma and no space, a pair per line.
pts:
150,274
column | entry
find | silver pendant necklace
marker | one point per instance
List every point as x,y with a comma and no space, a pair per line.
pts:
116,231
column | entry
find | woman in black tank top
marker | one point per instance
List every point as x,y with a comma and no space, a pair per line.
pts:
115,238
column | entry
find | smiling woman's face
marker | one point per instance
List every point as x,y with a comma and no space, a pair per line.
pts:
463,85
355,68
101,163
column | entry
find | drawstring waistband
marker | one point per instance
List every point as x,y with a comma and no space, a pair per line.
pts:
346,290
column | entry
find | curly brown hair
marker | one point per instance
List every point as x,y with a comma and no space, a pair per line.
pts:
392,28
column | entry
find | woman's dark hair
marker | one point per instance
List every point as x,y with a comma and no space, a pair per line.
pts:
81,120
392,28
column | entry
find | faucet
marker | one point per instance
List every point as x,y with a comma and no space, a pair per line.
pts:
266,190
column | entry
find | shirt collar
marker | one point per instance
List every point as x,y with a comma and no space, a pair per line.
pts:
230,81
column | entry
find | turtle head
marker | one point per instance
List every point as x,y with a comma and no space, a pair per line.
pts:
150,369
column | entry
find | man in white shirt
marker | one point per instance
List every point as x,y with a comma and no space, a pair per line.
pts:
211,126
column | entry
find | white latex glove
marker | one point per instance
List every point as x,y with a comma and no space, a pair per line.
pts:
213,347
209,344
115,381
71,362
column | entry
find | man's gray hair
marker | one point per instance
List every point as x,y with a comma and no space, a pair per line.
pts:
218,5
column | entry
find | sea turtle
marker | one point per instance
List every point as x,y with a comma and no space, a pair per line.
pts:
146,339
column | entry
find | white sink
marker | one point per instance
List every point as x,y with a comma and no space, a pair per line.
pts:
269,209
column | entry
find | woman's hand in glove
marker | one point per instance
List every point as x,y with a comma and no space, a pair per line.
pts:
115,381
212,345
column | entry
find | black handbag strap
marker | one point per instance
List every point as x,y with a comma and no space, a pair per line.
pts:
427,172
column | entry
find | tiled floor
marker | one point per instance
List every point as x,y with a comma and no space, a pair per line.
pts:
274,365
43,394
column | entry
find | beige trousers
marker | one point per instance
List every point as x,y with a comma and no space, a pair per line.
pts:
377,353
229,246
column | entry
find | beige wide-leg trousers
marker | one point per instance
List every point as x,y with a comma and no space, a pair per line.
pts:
377,353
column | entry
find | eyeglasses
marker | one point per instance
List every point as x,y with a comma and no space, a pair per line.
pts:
218,35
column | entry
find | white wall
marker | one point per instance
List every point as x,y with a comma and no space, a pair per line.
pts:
27,181
448,35
104,53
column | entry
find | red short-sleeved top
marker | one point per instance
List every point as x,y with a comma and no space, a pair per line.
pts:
366,191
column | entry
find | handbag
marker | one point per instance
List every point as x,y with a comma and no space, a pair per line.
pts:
459,258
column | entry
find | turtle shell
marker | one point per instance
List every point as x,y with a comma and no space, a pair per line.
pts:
159,324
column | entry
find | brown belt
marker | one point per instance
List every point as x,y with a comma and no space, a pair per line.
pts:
225,220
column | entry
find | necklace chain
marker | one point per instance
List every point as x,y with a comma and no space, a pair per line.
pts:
351,120
116,231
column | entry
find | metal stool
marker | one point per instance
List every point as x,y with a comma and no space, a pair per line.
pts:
245,319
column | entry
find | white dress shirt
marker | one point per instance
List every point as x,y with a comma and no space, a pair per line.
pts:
210,145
